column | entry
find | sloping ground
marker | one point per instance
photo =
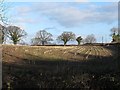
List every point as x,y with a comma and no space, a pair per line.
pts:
85,67
59,58
12,53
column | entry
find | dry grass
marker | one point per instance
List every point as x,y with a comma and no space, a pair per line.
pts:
11,52
58,66
58,58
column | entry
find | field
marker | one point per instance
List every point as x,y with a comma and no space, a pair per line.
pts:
87,66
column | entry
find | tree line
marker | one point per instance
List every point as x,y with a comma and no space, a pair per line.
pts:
42,37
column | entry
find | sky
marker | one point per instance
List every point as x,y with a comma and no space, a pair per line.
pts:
62,0
82,17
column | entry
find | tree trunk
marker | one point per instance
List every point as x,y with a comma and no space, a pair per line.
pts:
43,43
15,42
65,42
78,43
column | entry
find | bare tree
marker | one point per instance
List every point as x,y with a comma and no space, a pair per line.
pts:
3,11
66,36
42,37
79,39
90,39
3,20
15,33
2,33
35,41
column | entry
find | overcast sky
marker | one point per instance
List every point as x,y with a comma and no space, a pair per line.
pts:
83,17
